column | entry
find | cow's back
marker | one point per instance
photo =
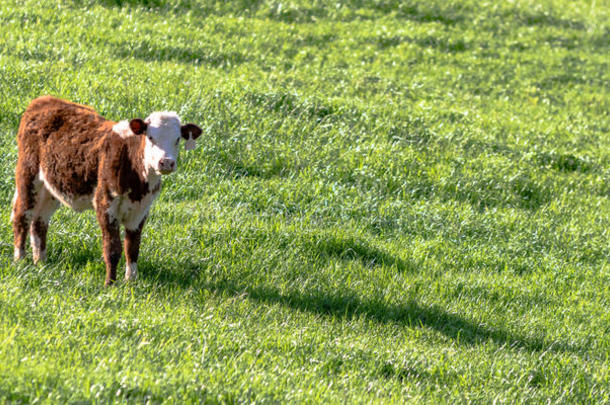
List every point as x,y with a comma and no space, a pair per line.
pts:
64,139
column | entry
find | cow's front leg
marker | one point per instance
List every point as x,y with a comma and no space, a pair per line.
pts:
111,236
132,250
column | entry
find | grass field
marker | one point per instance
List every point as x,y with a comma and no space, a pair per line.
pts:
393,201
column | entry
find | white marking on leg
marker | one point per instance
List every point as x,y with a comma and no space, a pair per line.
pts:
18,254
37,254
14,202
43,210
46,205
131,271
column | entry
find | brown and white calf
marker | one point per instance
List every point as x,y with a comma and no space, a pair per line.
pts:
68,153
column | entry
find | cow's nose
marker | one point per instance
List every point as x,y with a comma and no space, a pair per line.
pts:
167,165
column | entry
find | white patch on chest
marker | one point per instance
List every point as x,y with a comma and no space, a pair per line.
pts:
131,213
80,203
122,129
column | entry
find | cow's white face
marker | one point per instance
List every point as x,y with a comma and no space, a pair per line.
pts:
162,140
163,133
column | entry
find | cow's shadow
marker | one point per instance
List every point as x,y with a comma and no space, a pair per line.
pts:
343,303
347,304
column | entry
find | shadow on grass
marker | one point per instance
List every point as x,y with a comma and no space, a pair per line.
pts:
544,19
402,373
329,246
443,13
341,303
402,370
144,50
521,191
446,13
199,8
135,3
432,42
233,166
345,304
291,105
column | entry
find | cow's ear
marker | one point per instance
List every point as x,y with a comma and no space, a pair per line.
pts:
190,132
137,126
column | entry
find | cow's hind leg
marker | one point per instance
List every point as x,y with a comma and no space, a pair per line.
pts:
26,195
46,205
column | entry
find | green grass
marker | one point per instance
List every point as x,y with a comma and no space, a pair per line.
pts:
393,201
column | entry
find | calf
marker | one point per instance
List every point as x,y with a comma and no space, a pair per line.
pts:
68,153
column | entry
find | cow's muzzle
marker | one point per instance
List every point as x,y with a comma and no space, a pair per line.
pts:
167,166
